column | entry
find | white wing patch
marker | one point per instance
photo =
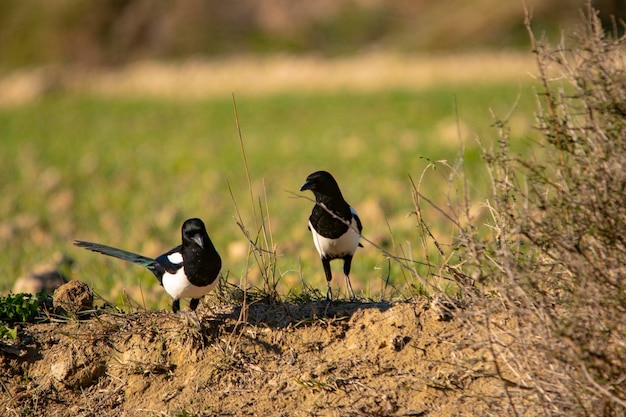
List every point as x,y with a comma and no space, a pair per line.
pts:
175,258
353,224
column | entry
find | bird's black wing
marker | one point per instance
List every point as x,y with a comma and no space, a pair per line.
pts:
330,222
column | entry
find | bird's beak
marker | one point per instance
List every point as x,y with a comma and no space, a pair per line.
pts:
198,240
306,186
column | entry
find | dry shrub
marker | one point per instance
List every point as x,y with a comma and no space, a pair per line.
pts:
551,255
556,255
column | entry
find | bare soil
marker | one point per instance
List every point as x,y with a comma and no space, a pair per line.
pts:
318,359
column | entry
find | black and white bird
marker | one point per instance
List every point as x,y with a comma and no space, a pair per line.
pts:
190,270
335,226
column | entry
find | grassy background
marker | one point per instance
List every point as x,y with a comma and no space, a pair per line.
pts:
127,172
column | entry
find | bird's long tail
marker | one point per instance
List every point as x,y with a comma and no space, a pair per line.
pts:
118,253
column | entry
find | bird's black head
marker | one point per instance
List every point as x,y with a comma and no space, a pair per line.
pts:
194,231
321,182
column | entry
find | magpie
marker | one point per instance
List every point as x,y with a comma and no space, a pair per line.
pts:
190,270
335,226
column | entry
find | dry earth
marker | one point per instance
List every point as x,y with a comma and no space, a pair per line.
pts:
342,359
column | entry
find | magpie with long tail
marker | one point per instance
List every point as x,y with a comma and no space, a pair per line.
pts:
335,226
190,270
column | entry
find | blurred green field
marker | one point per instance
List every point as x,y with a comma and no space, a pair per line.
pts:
127,172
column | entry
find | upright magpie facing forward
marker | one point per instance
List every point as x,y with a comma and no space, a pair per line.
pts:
190,270
335,226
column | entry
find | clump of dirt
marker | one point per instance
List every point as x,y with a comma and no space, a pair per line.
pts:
348,359
74,296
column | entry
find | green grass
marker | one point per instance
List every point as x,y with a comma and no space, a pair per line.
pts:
128,172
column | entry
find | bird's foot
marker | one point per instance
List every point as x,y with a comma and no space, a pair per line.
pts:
191,319
329,294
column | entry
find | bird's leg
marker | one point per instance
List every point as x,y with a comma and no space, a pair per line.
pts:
193,304
347,262
191,320
329,277
176,306
352,295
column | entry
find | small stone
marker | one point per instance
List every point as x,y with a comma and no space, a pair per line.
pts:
59,371
399,342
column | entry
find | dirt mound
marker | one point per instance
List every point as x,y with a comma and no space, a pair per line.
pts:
344,359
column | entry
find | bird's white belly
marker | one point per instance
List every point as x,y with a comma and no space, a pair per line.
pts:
178,286
345,244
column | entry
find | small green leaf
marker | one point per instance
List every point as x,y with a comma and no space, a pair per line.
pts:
18,307
7,332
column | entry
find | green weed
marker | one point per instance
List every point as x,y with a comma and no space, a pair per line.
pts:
18,308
